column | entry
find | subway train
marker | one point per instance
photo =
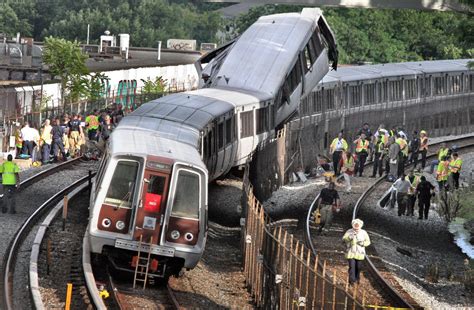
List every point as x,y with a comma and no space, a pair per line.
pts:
150,192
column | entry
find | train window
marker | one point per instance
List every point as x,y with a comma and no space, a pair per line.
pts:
305,106
220,135
456,84
369,93
355,96
329,99
306,60
295,77
262,120
228,131
310,50
318,101
210,140
102,169
122,186
316,43
186,196
154,195
396,90
439,85
410,89
471,82
205,146
246,128
271,117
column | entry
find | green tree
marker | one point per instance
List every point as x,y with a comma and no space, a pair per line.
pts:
66,61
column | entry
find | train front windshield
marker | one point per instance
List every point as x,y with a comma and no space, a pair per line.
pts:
122,186
186,199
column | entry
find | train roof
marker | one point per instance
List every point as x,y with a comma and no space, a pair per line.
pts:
367,72
182,116
264,54
126,140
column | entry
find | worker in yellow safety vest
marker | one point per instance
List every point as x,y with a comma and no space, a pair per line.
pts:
337,148
455,166
423,147
356,240
403,154
414,179
442,152
379,153
10,182
362,151
92,126
442,173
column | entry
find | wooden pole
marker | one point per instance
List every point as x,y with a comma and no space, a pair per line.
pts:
65,203
334,290
324,284
48,255
68,296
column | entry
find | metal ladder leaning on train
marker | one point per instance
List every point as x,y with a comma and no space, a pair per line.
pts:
151,188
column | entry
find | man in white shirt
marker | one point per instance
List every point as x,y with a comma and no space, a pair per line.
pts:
402,185
28,135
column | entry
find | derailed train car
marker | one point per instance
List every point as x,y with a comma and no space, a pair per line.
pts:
152,183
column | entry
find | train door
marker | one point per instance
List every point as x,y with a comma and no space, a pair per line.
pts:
150,214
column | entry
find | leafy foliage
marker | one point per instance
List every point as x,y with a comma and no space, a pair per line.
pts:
154,87
380,36
147,21
67,61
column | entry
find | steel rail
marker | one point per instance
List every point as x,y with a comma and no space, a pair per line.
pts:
22,232
386,286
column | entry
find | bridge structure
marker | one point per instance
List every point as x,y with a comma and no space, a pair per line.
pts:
437,5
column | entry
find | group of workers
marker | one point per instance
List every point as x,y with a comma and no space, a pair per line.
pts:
57,141
390,150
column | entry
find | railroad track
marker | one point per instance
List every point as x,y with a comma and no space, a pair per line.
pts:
122,295
25,229
377,270
10,256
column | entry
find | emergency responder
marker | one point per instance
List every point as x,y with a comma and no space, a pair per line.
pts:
347,164
414,148
455,166
379,152
11,182
368,135
414,179
337,147
75,134
58,132
356,240
92,126
328,202
442,152
442,173
402,186
362,151
403,154
423,147
393,157
424,191
106,128
46,139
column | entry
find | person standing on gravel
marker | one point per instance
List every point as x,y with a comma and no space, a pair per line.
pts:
10,182
356,240
423,147
455,166
328,201
347,165
402,186
425,192
338,146
393,151
362,151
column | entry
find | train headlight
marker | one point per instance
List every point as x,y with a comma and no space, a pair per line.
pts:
106,222
189,237
120,225
175,234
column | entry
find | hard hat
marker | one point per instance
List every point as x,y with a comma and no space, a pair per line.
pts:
423,132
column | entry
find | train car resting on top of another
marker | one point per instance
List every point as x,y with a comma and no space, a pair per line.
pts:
152,183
